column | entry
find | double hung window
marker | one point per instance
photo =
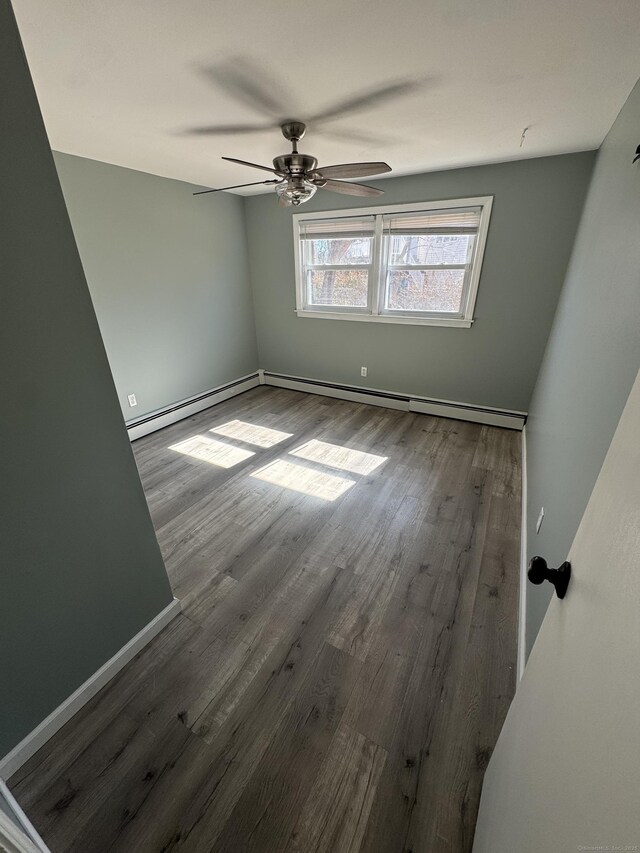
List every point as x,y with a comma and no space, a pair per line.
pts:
405,263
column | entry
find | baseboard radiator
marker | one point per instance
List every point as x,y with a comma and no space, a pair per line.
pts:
160,418
402,402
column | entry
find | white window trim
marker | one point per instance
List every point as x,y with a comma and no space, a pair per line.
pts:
373,313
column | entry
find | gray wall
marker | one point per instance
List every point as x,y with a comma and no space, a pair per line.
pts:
169,279
535,215
592,357
81,568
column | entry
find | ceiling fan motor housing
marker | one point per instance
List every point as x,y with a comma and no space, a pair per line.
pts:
294,164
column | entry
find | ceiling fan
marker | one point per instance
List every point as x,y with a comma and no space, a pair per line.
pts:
256,88
299,176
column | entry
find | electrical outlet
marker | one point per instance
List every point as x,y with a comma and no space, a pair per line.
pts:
363,371
132,400
540,519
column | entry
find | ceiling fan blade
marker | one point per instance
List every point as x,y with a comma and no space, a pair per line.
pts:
356,136
349,189
228,129
366,100
253,165
235,187
250,84
354,170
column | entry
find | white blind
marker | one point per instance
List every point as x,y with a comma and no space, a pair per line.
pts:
343,228
456,221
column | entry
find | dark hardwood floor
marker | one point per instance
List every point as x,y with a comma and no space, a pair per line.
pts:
346,652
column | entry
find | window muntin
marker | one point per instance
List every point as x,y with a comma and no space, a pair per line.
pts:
415,265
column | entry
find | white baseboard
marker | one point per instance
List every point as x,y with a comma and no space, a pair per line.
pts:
27,827
341,392
27,747
402,402
190,406
522,606
462,412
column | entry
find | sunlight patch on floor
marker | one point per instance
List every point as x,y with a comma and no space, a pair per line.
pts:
251,433
305,480
214,452
336,456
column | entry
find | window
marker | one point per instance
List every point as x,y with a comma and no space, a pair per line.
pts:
396,264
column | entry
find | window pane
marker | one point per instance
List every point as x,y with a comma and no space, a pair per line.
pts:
339,287
425,290
355,250
430,248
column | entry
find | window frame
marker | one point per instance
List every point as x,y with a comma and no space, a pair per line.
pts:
375,311
371,268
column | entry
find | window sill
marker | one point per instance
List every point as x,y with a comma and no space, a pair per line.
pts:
387,318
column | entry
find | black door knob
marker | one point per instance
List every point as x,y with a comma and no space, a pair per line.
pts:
539,572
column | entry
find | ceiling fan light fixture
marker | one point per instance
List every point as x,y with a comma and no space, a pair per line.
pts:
295,191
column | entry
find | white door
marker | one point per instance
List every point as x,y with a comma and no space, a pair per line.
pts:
565,774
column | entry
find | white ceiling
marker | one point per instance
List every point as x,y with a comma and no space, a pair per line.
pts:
118,80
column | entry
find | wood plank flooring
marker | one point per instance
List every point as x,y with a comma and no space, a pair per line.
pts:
346,653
